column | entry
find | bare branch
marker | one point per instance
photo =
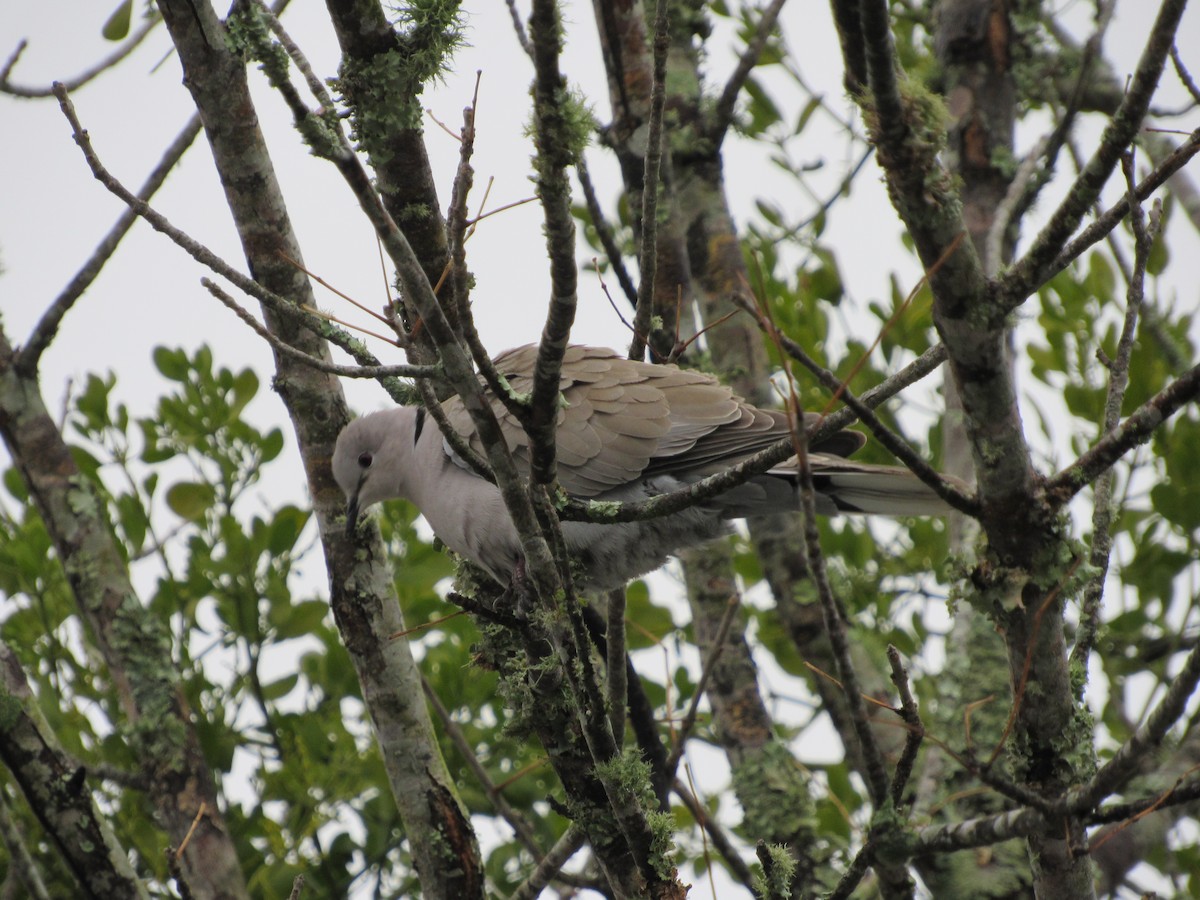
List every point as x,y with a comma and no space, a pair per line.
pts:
723,113
1136,429
47,326
1118,381
605,233
550,864
1119,210
364,371
1185,77
1114,774
1031,270
128,46
554,155
519,28
912,719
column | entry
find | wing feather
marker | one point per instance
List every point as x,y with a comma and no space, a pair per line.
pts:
623,420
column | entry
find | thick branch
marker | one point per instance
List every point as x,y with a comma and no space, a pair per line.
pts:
134,644
58,793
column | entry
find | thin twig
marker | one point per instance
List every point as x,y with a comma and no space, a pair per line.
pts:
516,821
952,491
201,253
47,326
648,258
833,612
1046,154
519,28
72,84
1034,267
329,287
723,112
1114,774
721,841
459,231
1010,209
1118,381
1135,430
680,737
912,719
1185,76
605,233
399,371
1116,214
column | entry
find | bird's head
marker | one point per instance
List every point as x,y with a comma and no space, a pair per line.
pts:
370,460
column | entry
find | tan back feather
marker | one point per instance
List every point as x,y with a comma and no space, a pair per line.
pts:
625,419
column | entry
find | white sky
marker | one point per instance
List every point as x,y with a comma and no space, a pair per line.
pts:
53,212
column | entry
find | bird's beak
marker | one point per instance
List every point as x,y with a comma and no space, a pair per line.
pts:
352,516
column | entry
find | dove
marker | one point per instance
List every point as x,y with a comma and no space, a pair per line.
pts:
626,431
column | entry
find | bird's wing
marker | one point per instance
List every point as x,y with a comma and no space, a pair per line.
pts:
622,419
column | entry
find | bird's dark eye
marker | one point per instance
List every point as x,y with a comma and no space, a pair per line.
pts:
364,460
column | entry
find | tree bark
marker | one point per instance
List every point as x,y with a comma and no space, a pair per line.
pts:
443,845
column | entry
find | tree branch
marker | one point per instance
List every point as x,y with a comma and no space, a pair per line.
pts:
1118,381
722,116
1032,269
1135,430
58,794
648,258
128,46
47,326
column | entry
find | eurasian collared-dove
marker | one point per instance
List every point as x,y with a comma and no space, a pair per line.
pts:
626,431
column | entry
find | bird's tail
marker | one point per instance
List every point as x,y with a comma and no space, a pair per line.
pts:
849,487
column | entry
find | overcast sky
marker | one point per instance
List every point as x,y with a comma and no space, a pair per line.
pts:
54,212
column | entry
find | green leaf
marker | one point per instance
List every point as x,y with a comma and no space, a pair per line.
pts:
301,619
245,386
93,402
646,624
15,485
272,445
88,464
173,364
809,108
190,500
1153,571
117,26
280,688
133,521
285,529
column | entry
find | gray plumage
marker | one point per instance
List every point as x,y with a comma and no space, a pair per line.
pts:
626,431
